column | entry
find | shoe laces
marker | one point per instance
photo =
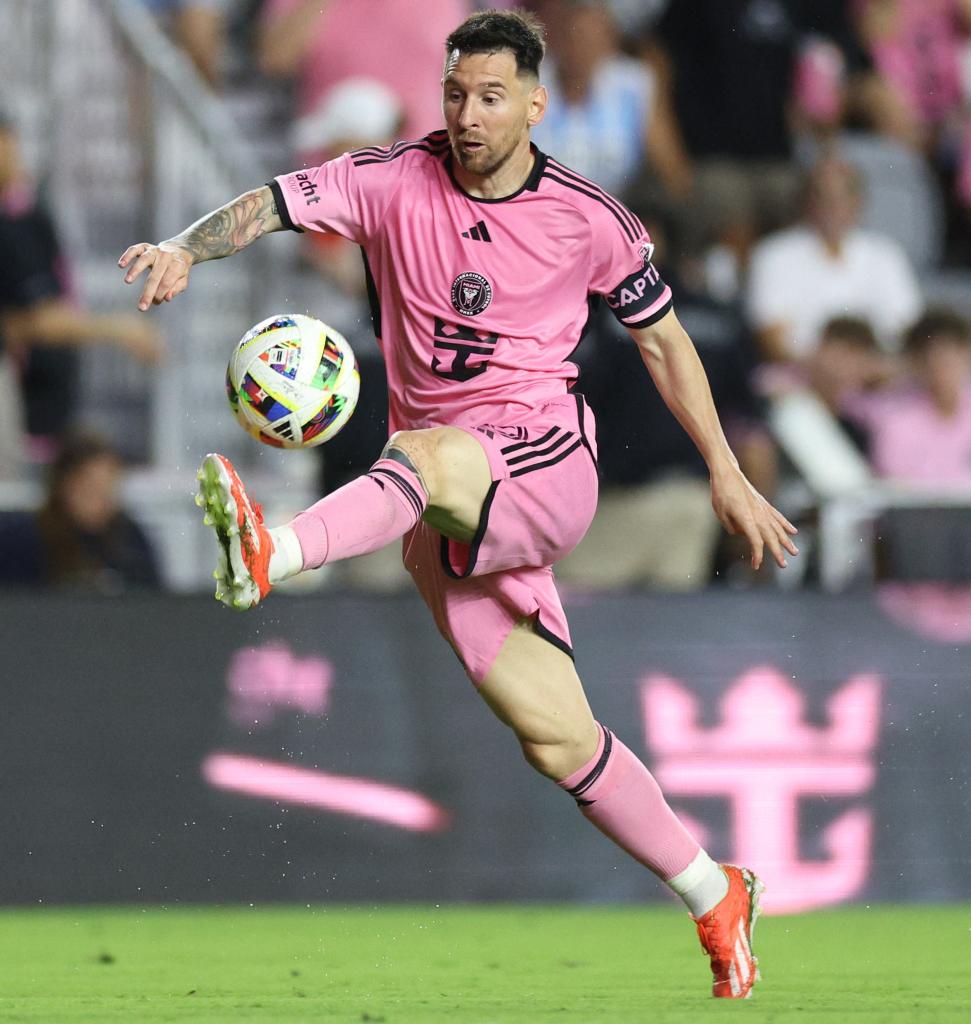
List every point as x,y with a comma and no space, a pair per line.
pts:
710,944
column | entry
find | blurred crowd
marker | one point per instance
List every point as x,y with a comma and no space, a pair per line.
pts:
803,166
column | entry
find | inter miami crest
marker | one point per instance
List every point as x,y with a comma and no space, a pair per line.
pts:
471,293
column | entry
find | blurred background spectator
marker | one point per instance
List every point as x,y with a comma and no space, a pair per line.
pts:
606,114
847,362
199,28
41,327
828,266
920,49
319,43
919,430
80,537
733,68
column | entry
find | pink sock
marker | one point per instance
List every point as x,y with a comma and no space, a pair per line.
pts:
362,516
619,795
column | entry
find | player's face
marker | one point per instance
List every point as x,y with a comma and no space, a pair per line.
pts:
489,109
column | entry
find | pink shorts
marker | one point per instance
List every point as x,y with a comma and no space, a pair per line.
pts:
542,500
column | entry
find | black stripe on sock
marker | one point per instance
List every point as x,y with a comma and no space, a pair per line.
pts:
550,462
585,783
404,486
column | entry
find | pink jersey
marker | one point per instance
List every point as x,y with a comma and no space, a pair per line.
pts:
477,304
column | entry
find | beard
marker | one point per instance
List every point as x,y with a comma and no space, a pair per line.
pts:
485,161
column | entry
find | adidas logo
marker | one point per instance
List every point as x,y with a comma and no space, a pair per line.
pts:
478,233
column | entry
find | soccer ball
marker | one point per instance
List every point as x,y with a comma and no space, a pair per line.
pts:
292,382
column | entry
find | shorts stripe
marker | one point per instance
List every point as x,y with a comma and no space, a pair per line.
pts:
549,462
531,444
565,436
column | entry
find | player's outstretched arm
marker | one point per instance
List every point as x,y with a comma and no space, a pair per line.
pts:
670,356
219,234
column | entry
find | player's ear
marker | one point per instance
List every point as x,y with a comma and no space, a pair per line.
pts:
538,99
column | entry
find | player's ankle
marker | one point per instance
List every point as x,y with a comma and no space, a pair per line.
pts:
286,559
702,884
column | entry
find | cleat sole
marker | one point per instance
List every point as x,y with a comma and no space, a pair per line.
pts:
236,587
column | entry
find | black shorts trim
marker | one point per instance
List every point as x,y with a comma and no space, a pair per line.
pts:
476,542
281,207
550,637
581,408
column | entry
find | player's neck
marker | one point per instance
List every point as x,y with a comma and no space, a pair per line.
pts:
506,181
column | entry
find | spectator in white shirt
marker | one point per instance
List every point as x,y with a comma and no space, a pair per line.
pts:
828,267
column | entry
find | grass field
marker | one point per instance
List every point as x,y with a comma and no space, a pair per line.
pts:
411,965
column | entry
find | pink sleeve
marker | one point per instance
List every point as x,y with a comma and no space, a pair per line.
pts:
621,267
336,196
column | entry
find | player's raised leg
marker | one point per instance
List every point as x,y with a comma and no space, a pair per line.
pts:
533,687
440,474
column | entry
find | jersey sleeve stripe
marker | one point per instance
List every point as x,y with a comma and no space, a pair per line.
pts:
393,154
655,313
593,195
281,207
616,204
431,139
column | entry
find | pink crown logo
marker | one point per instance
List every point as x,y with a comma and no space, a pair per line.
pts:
765,759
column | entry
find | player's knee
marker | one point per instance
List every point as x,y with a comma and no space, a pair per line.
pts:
438,455
413,449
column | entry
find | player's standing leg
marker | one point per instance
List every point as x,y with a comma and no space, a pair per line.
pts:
533,687
443,475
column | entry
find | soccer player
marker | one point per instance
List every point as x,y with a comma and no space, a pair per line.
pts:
482,255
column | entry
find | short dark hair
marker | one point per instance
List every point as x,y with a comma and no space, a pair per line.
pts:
853,330
490,31
936,323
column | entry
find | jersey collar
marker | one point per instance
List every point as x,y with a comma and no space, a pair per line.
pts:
531,184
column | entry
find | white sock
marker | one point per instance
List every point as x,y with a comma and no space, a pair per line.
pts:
702,885
286,559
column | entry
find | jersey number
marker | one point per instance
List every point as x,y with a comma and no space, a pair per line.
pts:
463,343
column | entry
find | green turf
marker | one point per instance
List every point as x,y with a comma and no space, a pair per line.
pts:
411,965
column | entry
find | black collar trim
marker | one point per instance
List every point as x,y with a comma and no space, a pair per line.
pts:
531,184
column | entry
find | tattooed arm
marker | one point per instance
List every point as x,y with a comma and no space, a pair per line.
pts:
221,233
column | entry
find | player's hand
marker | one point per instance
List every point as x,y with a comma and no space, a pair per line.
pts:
743,510
168,266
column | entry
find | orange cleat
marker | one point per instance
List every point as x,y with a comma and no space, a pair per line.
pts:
726,935
243,560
